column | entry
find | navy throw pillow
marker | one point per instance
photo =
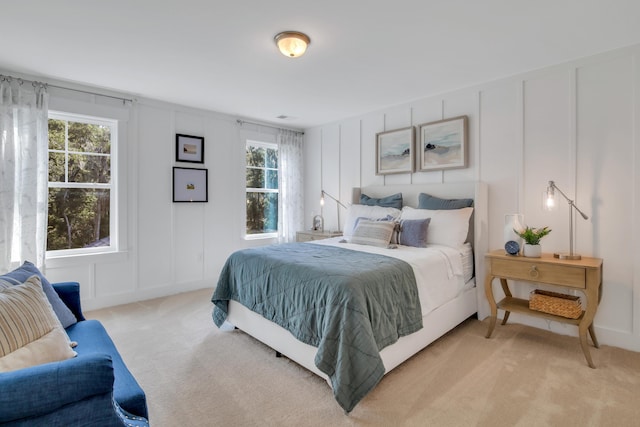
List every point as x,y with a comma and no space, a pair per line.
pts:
392,201
413,232
427,201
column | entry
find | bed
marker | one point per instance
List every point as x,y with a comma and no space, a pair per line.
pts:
428,314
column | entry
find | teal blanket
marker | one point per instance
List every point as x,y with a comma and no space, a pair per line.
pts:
348,304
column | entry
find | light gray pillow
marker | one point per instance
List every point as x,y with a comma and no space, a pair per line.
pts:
373,233
363,211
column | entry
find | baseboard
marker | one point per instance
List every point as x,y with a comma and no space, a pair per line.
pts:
142,295
606,336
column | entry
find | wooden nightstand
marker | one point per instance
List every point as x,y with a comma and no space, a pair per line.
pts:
308,236
584,274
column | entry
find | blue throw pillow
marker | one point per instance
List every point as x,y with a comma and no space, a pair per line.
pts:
427,201
26,270
393,201
413,232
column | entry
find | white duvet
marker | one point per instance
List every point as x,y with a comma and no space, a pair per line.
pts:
437,268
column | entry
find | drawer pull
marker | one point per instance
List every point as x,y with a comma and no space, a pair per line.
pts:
533,272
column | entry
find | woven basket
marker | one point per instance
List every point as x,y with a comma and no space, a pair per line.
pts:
554,303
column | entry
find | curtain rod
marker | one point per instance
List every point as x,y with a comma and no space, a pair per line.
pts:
241,122
19,79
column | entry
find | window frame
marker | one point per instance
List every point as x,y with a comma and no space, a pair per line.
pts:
267,145
112,186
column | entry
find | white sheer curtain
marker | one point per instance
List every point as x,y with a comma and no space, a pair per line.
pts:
291,177
23,172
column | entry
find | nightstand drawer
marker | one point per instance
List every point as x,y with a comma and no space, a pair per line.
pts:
574,277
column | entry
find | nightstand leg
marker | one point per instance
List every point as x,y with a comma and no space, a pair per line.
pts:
507,293
593,336
585,348
586,324
488,289
506,317
505,288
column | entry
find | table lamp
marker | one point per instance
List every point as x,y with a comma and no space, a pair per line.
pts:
550,204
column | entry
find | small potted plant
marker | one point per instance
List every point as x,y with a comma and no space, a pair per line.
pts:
532,238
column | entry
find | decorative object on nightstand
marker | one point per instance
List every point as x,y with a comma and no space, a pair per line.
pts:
555,303
583,275
318,223
512,247
550,204
338,204
513,222
532,236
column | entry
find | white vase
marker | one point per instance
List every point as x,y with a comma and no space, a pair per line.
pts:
511,222
532,251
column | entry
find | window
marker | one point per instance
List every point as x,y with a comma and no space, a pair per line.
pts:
262,189
81,184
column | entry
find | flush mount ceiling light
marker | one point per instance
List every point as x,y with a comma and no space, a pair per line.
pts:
292,43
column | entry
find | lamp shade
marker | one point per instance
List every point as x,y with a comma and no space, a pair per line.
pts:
292,43
549,199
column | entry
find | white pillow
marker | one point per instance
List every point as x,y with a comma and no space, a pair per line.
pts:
447,227
30,332
466,254
373,233
363,211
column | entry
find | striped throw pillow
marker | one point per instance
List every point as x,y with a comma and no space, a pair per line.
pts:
373,233
30,332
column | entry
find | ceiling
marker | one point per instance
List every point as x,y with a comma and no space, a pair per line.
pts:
364,55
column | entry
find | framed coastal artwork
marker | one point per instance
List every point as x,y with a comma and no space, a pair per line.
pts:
189,148
190,185
442,144
394,151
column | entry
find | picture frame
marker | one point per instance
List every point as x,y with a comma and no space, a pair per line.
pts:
190,185
395,151
189,148
442,144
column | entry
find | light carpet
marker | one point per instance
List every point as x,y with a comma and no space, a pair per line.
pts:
196,375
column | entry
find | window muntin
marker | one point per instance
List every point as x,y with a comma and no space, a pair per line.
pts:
261,189
82,198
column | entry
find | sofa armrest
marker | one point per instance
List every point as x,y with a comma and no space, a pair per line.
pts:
69,293
43,389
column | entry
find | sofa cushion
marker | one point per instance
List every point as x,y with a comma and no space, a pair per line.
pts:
92,338
26,270
74,392
30,332
46,388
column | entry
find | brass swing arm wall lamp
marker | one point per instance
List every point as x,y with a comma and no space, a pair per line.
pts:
550,205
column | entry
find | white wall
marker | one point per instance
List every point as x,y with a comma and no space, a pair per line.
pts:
167,247
577,124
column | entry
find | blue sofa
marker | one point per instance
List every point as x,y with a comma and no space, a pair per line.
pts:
93,389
